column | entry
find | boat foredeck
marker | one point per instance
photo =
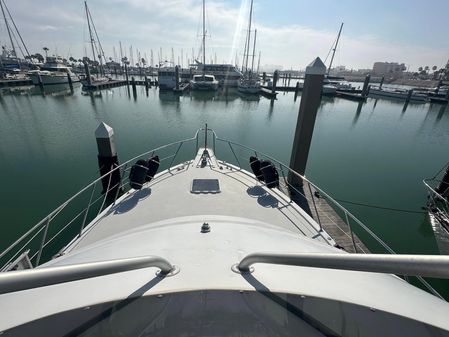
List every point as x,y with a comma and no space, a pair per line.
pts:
169,196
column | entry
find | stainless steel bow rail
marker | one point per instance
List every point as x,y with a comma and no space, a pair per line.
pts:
71,217
29,279
411,265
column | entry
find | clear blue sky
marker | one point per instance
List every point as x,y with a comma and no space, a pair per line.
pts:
290,32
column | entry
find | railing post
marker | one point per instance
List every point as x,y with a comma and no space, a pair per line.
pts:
235,156
107,191
120,182
44,237
314,207
87,209
350,230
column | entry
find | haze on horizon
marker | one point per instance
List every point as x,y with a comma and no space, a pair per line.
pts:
290,33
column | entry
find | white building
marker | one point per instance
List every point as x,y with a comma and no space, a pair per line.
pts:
384,68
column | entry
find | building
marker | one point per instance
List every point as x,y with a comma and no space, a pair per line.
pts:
386,68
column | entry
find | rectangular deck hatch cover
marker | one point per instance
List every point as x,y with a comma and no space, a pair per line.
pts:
205,186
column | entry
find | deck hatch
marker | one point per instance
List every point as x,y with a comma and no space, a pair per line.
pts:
205,186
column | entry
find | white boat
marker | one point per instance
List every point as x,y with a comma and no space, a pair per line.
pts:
54,71
226,74
249,86
249,83
438,208
204,81
401,94
166,76
205,248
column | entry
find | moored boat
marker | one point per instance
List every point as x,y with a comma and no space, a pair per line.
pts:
401,94
54,71
205,247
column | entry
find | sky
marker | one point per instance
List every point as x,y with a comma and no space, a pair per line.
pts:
290,33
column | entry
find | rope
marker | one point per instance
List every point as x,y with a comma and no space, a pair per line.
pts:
381,207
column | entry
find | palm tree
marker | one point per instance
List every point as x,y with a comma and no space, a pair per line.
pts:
46,51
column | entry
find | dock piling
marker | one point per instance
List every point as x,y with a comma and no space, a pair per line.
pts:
365,86
69,79
107,160
310,101
86,69
275,79
133,85
177,77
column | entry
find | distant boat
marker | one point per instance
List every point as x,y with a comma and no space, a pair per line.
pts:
54,71
226,74
166,76
9,59
250,83
204,81
397,94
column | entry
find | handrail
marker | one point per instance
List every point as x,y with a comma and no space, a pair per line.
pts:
64,204
436,266
41,277
41,225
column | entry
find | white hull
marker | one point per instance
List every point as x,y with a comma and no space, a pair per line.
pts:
52,78
249,89
399,94
204,85
441,234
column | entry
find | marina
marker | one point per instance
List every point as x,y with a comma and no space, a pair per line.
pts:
226,197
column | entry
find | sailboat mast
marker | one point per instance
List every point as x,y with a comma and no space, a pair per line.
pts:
204,36
254,50
249,34
90,31
258,64
333,53
8,29
17,30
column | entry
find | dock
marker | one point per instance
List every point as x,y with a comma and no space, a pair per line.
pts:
268,93
114,84
320,210
182,87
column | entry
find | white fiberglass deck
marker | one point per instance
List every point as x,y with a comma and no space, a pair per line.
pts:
169,196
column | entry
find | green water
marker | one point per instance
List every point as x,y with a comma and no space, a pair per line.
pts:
371,153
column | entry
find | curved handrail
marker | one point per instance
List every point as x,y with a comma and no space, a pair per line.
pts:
41,277
65,203
436,266
336,203
44,223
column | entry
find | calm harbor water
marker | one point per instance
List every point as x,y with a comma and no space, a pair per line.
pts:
371,153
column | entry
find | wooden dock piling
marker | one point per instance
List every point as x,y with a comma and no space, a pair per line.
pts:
310,101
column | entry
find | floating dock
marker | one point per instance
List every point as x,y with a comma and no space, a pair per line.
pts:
268,92
330,221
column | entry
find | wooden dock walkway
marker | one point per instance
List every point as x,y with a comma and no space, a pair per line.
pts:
331,222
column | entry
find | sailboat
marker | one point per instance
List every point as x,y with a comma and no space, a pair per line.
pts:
249,83
9,60
332,83
204,81
96,50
